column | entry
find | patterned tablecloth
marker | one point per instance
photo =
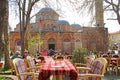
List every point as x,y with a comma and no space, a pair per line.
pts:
57,67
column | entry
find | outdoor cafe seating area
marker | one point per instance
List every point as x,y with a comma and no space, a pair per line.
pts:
58,67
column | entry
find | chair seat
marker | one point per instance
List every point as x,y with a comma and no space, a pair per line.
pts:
96,71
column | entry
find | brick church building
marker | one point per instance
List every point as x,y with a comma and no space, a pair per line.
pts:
60,35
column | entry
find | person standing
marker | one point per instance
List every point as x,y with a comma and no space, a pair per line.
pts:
44,53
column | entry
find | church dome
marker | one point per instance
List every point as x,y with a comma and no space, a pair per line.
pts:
75,25
62,22
46,10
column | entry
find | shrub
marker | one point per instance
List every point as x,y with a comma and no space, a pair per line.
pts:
79,54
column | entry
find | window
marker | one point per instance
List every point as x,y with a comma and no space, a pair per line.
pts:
78,43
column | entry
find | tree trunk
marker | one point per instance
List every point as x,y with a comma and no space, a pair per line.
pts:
1,27
6,40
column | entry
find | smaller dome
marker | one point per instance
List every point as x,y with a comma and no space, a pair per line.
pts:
75,25
46,9
62,22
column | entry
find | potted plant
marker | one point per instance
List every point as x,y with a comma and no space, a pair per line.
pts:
79,55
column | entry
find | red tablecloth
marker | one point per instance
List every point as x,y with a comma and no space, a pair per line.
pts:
67,69
114,59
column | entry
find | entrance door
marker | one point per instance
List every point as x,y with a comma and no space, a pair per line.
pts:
51,46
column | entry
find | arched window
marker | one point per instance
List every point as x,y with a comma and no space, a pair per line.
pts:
78,43
43,17
47,16
66,40
67,45
93,44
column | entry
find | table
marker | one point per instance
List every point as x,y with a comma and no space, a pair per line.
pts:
58,67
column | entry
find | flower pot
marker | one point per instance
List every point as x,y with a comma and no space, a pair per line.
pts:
1,64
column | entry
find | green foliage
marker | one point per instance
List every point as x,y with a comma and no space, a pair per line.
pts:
5,70
34,42
2,77
79,54
95,51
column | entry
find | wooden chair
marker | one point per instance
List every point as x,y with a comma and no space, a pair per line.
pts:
31,64
115,56
116,63
60,57
89,61
69,57
108,58
12,66
96,71
22,71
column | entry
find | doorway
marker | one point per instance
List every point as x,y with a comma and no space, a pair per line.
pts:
51,43
51,46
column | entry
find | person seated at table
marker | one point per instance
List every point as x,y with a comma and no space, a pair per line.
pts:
67,53
51,52
16,55
91,53
26,53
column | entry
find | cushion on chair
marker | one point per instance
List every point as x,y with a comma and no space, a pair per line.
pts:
21,67
96,69
32,64
89,62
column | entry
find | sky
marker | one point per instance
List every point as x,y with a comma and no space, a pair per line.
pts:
73,17
112,25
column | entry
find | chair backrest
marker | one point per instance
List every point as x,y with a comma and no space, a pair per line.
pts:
31,64
20,67
69,56
89,61
115,56
108,58
60,57
105,55
99,66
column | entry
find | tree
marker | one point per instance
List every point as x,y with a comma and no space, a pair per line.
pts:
25,8
114,5
4,11
88,6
